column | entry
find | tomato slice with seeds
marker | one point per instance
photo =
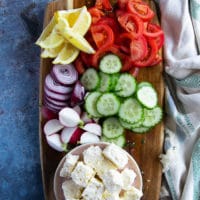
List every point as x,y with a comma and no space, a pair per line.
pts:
151,55
140,9
131,23
102,35
96,14
103,5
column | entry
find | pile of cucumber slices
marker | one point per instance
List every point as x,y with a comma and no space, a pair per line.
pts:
120,101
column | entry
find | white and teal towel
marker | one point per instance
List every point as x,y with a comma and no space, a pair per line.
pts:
180,21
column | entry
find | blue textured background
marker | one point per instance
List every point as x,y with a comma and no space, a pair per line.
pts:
20,24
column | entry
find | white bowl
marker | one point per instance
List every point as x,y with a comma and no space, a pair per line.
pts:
58,180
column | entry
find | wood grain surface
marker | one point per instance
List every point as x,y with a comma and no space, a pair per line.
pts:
145,148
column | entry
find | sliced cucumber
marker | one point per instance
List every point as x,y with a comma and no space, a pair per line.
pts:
114,78
147,96
90,104
144,83
110,64
131,111
141,129
108,104
126,85
152,116
120,141
130,126
112,128
105,82
90,79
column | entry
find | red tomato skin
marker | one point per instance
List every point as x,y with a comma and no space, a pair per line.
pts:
96,14
103,5
79,65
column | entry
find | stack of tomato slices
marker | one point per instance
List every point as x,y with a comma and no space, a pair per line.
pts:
126,30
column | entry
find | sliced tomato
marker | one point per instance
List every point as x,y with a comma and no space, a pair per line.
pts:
140,9
96,14
157,60
131,23
103,5
135,47
79,65
123,3
151,55
155,31
102,35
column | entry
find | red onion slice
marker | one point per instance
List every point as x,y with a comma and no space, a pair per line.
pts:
65,74
52,107
52,85
48,114
55,102
55,96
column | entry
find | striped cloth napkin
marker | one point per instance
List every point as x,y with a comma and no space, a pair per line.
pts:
180,20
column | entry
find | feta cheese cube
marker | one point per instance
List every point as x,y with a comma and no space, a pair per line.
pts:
71,190
112,180
133,194
94,158
116,155
128,177
110,196
69,164
94,190
82,174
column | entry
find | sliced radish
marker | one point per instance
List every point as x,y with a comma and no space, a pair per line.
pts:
77,109
52,126
86,118
93,128
65,74
87,137
48,114
56,103
52,85
78,94
56,96
69,117
71,135
55,142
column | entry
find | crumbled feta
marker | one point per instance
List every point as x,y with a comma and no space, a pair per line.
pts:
132,194
94,190
82,174
116,155
71,190
69,164
112,180
128,177
110,196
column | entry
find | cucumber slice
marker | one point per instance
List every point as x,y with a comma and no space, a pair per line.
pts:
147,96
144,83
110,64
114,78
105,82
108,104
141,129
90,79
120,141
152,116
112,128
90,104
126,85
130,126
131,111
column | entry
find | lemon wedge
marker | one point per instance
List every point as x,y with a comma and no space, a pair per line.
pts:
52,52
67,55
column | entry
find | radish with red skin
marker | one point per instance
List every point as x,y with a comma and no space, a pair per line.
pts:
77,109
85,118
53,86
69,117
93,128
56,96
52,126
65,74
71,135
54,142
48,114
78,94
87,137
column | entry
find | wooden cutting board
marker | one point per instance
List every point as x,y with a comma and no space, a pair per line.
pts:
145,148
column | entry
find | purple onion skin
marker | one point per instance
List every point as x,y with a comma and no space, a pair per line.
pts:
78,94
